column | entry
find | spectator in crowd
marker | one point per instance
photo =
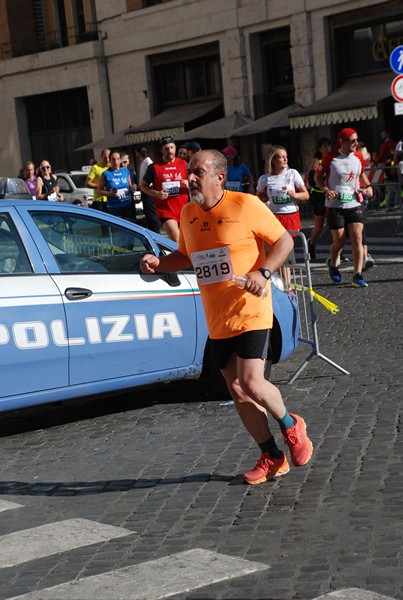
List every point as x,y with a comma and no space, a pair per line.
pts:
150,213
46,188
366,156
166,181
341,176
316,196
398,160
392,188
133,178
93,178
125,162
238,320
193,148
386,146
239,178
183,152
398,154
115,183
368,262
29,177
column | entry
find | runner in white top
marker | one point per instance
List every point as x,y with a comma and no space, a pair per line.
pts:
277,188
281,188
341,176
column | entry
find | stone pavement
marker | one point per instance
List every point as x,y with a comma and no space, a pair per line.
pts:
165,464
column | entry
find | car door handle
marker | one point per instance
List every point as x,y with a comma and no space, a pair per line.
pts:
77,293
172,279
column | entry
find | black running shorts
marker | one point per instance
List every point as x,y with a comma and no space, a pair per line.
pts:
251,344
338,218
317,200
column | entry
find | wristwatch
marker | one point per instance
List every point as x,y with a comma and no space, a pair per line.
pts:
265,272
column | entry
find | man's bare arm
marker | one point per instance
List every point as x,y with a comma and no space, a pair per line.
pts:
176,261
279,252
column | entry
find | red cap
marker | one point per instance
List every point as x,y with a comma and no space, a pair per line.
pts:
344,135
229,150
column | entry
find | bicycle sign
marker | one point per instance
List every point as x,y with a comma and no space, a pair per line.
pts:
397,88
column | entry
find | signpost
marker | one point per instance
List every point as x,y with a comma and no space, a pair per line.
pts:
397,88
396,60
396,64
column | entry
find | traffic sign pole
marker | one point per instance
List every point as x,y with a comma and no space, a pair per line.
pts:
397,88
396,60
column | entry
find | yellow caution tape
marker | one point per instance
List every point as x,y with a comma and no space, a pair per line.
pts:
330,306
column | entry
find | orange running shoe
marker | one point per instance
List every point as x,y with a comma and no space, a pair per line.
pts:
267,468
298,442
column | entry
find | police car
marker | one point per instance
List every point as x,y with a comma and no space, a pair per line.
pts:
79,318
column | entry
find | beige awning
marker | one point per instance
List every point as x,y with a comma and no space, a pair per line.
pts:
171,121
113,140
219,129
270,121
355,100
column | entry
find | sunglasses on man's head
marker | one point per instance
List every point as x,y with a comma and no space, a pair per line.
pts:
45,167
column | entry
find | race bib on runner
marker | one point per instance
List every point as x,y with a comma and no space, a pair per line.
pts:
172,187
123,193
279,196
212,266
344,193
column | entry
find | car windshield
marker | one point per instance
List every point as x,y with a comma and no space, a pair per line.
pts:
79,179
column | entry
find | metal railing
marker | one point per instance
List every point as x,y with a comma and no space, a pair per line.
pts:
51,40
387,183
301,285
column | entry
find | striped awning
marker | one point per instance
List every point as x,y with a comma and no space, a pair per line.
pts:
355,100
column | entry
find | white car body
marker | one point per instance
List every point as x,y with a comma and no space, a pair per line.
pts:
72,186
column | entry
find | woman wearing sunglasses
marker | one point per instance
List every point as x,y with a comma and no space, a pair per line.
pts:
46,188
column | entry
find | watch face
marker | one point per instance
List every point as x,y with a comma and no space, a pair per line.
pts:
266,273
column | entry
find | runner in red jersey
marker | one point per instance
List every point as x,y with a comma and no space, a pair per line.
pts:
166,181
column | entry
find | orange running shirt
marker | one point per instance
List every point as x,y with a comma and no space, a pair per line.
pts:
241,223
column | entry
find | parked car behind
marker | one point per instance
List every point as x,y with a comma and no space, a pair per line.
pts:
13,188
72,186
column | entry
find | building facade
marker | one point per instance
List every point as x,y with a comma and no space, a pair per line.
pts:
77,73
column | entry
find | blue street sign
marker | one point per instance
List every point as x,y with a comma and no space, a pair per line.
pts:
396,60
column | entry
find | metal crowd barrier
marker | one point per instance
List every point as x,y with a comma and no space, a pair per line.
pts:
378,177
301,285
